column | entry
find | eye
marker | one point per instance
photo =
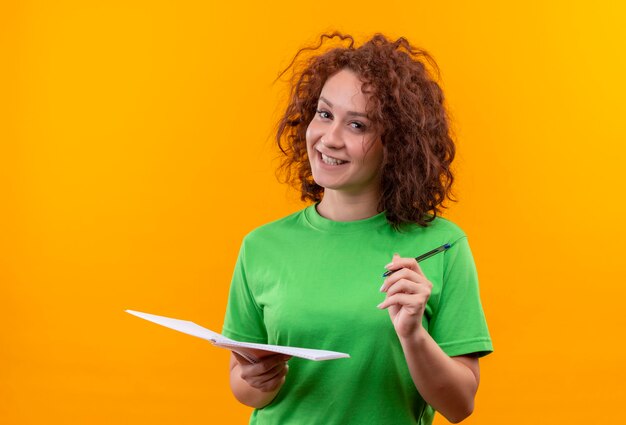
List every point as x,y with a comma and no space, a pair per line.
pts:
358,125
323,114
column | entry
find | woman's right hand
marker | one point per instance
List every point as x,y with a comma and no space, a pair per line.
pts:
267,375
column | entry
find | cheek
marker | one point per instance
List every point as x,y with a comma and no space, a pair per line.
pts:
313,132
374,157
366,150
310,139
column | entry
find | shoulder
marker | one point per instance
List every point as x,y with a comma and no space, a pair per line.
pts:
448,227
275,229
439,228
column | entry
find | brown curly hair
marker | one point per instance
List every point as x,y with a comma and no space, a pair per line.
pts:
407,108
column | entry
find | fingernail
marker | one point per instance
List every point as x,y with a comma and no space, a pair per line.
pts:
388,265
379,305
381,288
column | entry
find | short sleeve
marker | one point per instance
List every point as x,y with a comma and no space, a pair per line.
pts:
458,323
243,320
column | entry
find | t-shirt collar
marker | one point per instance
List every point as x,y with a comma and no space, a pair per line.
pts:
322,223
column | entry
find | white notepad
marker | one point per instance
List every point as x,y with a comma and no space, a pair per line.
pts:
249,350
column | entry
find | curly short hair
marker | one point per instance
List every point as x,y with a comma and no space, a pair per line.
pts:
407,108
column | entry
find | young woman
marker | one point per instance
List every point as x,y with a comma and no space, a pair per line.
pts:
366,138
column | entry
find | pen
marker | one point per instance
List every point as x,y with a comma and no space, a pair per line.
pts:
423,257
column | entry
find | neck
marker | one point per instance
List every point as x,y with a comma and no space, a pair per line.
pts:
340,206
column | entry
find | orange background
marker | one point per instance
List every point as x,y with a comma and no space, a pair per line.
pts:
135,153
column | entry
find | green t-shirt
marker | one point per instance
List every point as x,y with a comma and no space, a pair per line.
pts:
307,281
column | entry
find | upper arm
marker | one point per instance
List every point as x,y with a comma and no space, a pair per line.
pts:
243,319
460,296
232,362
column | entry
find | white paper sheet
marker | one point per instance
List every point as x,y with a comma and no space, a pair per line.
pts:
247,349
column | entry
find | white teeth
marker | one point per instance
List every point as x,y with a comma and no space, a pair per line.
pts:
332,161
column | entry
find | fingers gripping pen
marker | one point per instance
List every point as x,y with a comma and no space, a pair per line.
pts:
423,256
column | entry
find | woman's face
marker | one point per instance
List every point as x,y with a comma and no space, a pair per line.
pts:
344,151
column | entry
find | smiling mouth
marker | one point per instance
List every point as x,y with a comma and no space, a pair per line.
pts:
331,161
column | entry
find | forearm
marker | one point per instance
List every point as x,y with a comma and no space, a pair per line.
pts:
446,384
247,394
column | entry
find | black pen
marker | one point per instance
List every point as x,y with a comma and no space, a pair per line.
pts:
423,257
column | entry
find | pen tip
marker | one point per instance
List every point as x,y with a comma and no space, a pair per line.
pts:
446,246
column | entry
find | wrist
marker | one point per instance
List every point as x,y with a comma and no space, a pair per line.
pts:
415,339
247,394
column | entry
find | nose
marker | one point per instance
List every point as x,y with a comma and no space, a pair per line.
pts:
331,138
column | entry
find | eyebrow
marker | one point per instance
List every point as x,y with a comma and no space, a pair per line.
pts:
358,114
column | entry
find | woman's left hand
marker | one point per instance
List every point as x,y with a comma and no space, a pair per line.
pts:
407,291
